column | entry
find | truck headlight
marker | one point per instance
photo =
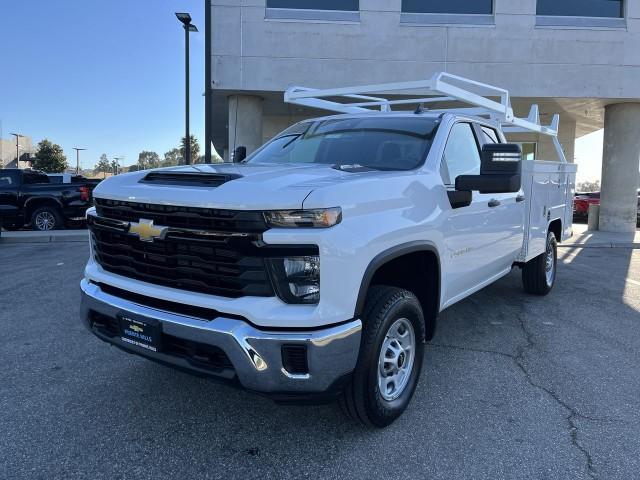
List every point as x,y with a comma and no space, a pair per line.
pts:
314,218
297,279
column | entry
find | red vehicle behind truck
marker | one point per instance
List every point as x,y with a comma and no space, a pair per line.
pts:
582,201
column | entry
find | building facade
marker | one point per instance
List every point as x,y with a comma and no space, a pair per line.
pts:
579,58
8,152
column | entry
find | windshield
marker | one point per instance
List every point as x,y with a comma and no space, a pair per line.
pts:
386,143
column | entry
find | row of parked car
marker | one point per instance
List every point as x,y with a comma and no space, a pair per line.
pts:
40,201
583,200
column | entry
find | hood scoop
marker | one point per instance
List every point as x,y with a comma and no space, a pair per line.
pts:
355,168
189,179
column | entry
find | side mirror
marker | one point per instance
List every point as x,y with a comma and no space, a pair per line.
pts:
239,154
500,170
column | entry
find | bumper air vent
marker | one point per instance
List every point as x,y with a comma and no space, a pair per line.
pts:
294,359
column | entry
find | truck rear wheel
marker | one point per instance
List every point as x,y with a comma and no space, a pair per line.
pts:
390,359
539,274
46,218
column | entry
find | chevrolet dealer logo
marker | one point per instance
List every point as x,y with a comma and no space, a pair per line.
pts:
136,328
147,231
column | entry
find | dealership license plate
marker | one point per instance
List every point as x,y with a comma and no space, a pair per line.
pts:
141,332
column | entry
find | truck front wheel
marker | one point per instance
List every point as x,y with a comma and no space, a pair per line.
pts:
539,274
390,359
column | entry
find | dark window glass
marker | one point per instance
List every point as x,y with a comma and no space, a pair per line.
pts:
56,178
490,135
346,5
448,6
29,178
8,178
400,143
581,8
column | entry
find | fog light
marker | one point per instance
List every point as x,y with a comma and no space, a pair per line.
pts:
297,279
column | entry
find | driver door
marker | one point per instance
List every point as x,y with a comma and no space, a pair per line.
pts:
472,233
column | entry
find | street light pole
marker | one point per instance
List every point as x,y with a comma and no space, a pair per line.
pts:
208,111
185,18
78,159
18,137
117,160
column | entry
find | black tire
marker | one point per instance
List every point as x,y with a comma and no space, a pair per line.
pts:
362,399
534,272
46,218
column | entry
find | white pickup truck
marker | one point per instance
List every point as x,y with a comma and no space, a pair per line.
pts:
316,267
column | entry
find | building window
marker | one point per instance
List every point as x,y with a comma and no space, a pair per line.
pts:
464,7
433,12
324,10
342,5
581,8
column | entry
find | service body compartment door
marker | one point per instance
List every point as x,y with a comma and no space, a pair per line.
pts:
549,187
537,204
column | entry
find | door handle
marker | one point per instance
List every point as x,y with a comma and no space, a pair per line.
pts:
520,198
494,203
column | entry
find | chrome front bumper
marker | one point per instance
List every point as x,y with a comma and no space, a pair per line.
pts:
255,354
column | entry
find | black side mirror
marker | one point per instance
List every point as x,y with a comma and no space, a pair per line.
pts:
500,170
239,154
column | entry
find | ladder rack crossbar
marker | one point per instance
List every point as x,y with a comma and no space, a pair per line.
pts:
441,87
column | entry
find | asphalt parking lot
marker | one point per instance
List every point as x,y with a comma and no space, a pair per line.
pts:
513,386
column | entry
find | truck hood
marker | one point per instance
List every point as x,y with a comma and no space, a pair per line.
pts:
257,187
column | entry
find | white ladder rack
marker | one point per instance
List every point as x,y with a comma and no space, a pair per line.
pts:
442,87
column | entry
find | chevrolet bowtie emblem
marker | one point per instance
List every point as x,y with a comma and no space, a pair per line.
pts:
136,328
147,231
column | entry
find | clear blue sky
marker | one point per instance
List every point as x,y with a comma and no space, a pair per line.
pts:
105,75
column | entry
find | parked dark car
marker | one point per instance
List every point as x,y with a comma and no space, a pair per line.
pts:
29,197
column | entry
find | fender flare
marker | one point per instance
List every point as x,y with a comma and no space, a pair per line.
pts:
391,254
29,201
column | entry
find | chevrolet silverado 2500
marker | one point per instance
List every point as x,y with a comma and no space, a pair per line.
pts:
317,266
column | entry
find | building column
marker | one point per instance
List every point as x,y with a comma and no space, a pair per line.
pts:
245,122
620,165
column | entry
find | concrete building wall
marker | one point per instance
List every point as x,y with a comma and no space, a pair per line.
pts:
8,151
575,66
516,52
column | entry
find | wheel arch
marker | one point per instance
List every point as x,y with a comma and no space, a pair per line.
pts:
414,266
36,202
555,226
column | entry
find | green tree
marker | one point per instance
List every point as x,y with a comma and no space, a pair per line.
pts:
195,148
589,186
49,158
147,159
103,165
172,158
133,168
115,167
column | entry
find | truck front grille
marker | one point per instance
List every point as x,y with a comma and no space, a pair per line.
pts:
183,217
227,263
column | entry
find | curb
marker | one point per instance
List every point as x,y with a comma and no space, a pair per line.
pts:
44,237
631,245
